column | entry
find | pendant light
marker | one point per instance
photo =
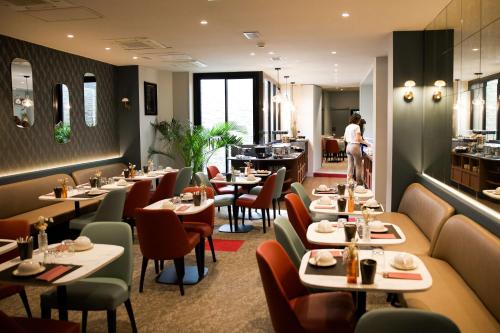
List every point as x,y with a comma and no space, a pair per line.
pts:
26,101
277,98
478,99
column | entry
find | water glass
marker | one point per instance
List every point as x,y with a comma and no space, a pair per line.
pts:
68,246
379,256
341,222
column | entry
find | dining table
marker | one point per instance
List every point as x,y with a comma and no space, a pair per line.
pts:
367,194
236,182
76,266
183,209
332,209
388,279
75,195
391,235
7,245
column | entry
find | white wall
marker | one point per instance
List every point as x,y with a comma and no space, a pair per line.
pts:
366,108
163,79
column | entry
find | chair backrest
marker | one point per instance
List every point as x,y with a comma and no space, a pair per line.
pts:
10,325
299,189
332,146
265,196
281,284
212,171
201,179
208,215
137,197
183,180
114,233
426,210
473,252
111,207
289,240
299,216
12,229
404,321
278,185
166,187
161,234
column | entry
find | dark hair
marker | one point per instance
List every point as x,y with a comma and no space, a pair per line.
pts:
355,118
362,123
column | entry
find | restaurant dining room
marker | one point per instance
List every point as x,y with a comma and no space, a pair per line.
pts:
249,166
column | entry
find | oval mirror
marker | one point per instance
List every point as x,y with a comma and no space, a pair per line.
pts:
61,105
90,99
22,93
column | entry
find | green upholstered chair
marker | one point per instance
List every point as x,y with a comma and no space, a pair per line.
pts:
110,209
278,189
220,200
288,238
183,180
299,189
107,288
404,321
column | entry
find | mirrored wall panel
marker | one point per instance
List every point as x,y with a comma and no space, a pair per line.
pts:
61,105
90,99
22,93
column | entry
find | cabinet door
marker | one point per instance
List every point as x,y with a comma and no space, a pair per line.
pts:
474,183
465,179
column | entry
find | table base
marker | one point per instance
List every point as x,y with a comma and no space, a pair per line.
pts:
169,276
239,229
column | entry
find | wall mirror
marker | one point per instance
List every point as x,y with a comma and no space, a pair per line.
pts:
22,93
90,99
61,106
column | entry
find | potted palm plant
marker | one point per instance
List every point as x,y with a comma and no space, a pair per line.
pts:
195,144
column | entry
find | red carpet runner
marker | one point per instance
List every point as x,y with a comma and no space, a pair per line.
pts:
225,245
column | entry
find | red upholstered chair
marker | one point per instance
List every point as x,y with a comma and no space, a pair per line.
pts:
12,229
332,149
162,237
291,306
212,171
261,201
299,218
33,325
165,189
202,223
137,197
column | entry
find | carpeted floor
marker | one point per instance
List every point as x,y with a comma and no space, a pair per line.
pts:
229,299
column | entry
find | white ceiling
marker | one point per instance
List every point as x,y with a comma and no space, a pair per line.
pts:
302,32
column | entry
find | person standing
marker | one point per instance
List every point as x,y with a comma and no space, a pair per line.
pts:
353,139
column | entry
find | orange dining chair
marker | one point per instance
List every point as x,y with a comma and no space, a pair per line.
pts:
212,171
165,189
29,325
291,306
137,197
332,150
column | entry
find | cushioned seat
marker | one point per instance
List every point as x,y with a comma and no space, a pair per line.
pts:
323,312
246,200
255,190
416,242
222,200
92,294
29,325
228,189
198,227
452,297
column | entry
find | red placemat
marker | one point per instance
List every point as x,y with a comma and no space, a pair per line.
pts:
404,276
54,273
383,236
335,253
182,208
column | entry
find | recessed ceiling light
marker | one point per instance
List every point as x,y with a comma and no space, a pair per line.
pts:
204,22
107,48
334,52
70,36
335,65
271,52
135,58
341,89
475,49
345,14
252,53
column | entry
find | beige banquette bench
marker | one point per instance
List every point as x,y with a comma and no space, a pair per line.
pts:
82,176
465,268
421,215
20,200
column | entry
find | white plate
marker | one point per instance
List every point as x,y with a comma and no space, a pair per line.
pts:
384,229
81,249
16,272
312,261
393,264
332,229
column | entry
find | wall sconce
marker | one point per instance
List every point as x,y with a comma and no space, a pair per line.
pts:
437,95
408,96
126,103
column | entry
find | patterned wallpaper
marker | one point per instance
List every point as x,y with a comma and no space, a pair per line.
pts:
25,149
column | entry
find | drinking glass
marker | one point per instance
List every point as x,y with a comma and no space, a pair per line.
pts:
68,246
379,256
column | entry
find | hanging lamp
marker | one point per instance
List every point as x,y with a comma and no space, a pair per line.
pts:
277,97
26,101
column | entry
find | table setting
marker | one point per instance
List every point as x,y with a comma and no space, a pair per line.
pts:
339,205
359,191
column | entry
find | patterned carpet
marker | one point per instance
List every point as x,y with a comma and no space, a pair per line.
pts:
229,299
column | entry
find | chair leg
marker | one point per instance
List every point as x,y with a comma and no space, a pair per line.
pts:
128,306
218,209
26,304
279,208
243,216
200,258
211,243
111,320
162,265
84,321
268,217
143,272
157,266
179,269
230,213
264,220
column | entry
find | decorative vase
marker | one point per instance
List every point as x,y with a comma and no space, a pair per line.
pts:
43,241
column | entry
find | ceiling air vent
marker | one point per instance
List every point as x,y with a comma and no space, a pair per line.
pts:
24,5
251,35
139,43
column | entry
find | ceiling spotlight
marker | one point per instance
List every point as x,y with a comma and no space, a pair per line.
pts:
70,36
334,52
475,49
341,89
335,65
271,52
252,54
204,22
107,48
135,57
345,14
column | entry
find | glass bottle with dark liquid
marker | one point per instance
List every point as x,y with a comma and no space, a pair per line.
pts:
351,263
